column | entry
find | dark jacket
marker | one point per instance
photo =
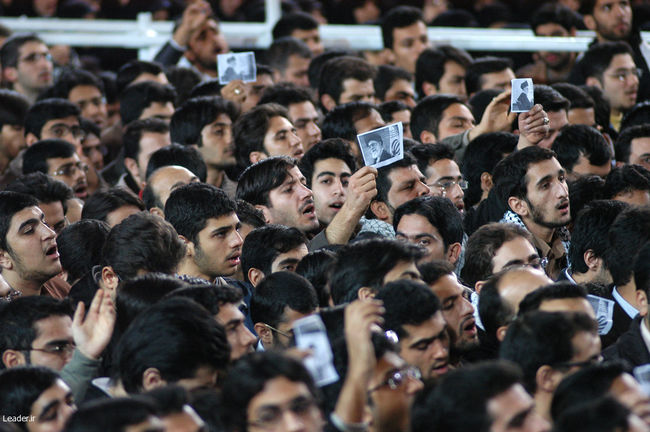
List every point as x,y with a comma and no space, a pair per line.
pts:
630,346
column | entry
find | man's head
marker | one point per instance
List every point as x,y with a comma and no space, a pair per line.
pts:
557,21
397,111
141,139
289,58
442,70
633,146
26,64
84,90
327,168
582,109
442,174
119,414
629,232
146,99
280,299
556,107
557,297
80,246
53,119
301,108
206,42
349,79
263,132
161,183
439,116
136,71
204,217
394,83
432,223
610,66
352,118
628,183
185,156
277,187
362,268
488,73
612,21
301,26
270,249
13,109
111,206
404,33
582,151
175,341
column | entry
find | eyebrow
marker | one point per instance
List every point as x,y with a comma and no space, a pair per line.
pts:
429,340
548,177
288,261
330,173
417,236
31,221
221,124
49,406
518,261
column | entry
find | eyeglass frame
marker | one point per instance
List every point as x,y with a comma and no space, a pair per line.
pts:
446,185
61,171
622,76
404,374
65,348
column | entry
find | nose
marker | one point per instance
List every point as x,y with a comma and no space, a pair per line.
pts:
248,339
48,233
458,192
423,189
468,308
237,240
313,130
338,188
305,192
292,421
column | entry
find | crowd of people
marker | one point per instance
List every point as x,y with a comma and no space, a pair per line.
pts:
178,254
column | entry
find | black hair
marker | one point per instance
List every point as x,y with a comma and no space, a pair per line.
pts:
509,177
630,231
584,190
277,55
578,140
606,414
170,399
432,271
80,247
338,69
339,122
387,109
290,22
210,88
10,204
189,207
142,242
257,181
590,230
278,291
386,76
602,108
13,108
210,296
555,14
45,110
285,94
638,115
365,264
19,388
100,204
430,65
549,98
479,101
175,154
183,79
316,267
626,178
577,97
558,290
11,47
623,145
248,214
441,213
133,69
263,245
175,336
42,187
398,17
71,78
330,148
426,154
111,415
642,269
249,131
35,156
493,309
316,65
427,114
134,131
137,97
599,55
481,66
190,118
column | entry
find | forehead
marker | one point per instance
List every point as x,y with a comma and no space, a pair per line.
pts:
277,391
297,252
292,174
337,166
69,121
447,286
24,215
457,110
622,61
416,223
370,122
352,85
219,222
84,90
426,329
171,176
278,123
550,29
57,327
302,109
222,118
32,47
452,67
445,168
54,163
57,391
414,30
538,170
402,174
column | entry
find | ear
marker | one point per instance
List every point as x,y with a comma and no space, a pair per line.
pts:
265,210
453,252
486,182
518,206
255,276
328,102
381,211
189,246
593,81
427,137
265,334
429,89
590,22
11,358
478,286
151,379
30,139
548,378
132,166
256,156
501,333
592,261
189,55
5,260
642,302
10,74
157,211
110,280
365,293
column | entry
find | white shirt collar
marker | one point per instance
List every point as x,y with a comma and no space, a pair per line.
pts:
627,307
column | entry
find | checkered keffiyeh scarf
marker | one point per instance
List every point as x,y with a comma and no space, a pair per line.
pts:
514,218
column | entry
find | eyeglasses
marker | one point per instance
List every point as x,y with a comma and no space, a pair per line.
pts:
280,332
271,416
71,169
398,378
11,295
61,130
446,185
623,74
35,57
59,348
568,365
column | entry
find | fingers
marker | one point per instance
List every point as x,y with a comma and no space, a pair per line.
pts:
96,303
79,314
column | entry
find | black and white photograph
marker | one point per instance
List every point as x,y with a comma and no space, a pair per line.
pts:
383,146
237,66
521,99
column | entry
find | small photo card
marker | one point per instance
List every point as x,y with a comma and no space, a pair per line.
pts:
521,99
383,146
236,66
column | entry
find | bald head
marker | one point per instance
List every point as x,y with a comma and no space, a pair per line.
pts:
162,182
517,282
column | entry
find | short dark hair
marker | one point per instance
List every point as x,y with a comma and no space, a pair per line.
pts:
291,22
19,388
365,264
115,414
432,271
387,109
599,55
629,232
441,214
42,187
577,97
278,291
175,154
210,296
428,112
249,376
430,66
481,247
277,56
35,156
386,76
555,14
10,204
133,69
426,154
339,69
590,231
510,175
249,215
142,242
176,336
316,65
190,118
604,414
626,178
558,290
184,79
398,17
136,97
249,130
623,145
80,246
550,99
481,66
638,115
101,203
384,183
578,140
285,94
134,131
258,180
263,245
10,48
13,108
71,78
189,207
339,122
335,148
316,267
583,190
45,110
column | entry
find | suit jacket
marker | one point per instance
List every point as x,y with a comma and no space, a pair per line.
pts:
621,322
630,346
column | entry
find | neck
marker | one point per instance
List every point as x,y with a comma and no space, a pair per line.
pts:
628,292
581,278
215,176
543,403
540,231
26,287
31,95
187,267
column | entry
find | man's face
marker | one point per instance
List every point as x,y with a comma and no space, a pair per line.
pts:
391,403
296,71
283,338
149,143
91,148
628,391
254,91
620,82
218,247
329,184
514,410
216,142
584,168
452,80
70,171
440,175
357,91
53,344
167,179
403,270
161,110
34,67
404,117
240,339
52,409
408,44
612,19
205,44
370,122
406,183
401,90
547,195
12,140
515,252
556,121
305,118
54,215
292,203
457,310
417,229
498,80
91,102
640,152
66,128
553,60
311,38
281,139
586,348
455,119
288,261
376,147
284,405
427,346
